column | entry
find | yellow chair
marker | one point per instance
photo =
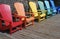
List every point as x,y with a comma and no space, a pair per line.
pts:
37,14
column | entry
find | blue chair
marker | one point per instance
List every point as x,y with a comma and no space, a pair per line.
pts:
53,7
49,10
58,9
57,3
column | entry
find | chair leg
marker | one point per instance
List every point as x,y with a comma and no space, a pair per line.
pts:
44,17
38,20
41,19
32,22
24,25
10,31
20,27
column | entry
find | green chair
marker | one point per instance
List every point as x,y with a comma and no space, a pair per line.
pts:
41,7
49,10
37,15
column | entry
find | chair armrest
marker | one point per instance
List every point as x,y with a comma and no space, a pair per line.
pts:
39,10
29,13
39,13
23,18
49,8
43,10
15,15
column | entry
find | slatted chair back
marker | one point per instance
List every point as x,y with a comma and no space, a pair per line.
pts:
41,5
48,6
19,8
5,12
53,6
33,8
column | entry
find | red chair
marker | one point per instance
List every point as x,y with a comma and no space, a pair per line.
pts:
6,21
28,20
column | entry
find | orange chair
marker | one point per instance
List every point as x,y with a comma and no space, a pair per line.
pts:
28,20
6,21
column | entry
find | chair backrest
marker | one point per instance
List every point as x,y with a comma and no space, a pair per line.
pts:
33,8
5,12
53,6
47,6
19,8
41,5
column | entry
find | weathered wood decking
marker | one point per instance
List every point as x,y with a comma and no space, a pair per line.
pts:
47,29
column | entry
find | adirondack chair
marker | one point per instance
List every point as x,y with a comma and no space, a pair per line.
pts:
6,21
37,14
28,17
42,8
57,3
49,10
58,10
53,7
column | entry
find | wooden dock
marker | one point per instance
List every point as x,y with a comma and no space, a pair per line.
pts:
47,29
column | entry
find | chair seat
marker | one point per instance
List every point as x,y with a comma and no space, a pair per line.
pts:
29,19
42,15
14,24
